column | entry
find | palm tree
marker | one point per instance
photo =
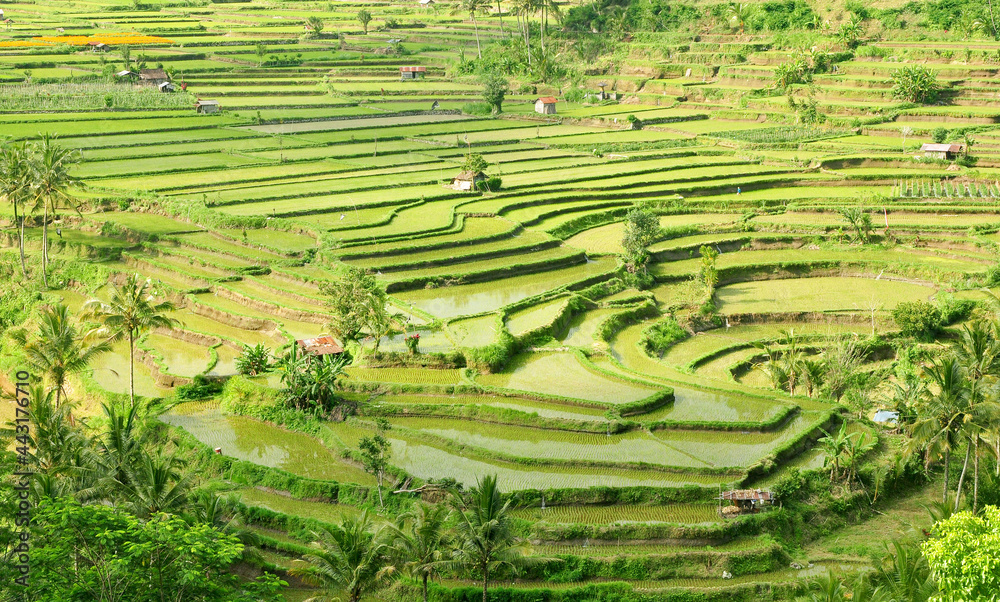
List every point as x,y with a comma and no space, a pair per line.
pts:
834,447
858,444
738,13
154,484
547,6
419,541
486,542
943,413
121,443
51,182
979,354
131,312
473,7
812,374
15,187
58,349
827,588
56,444
353,558
903,573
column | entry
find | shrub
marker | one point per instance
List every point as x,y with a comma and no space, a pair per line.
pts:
490,184
253,360
914,83
954,310
939,135
200,388
917,319
656,339
480,109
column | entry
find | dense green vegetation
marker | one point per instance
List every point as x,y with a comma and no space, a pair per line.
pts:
720,264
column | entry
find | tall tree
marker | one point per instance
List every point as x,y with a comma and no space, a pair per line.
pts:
353,558
357,303
979,354
57,349
940,420
420,539
641,229
486,542
473,8
51,184
375,453
15,187
132,311
364,17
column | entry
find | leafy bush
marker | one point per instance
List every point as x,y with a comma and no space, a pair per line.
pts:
914,83
656,339
939,135
481,109
253,360
917,319
954,310
200,388
490,184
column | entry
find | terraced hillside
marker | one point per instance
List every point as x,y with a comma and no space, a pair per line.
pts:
539,358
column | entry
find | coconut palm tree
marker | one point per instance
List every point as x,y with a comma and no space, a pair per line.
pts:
486,542
58,349
827,588
51,182
942,414
903,574
858,444
154,484
420,539
15,187
353,558
979,354
56,444
834,447
131,312
472,8
737,14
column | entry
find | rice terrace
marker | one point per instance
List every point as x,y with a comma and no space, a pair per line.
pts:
513,300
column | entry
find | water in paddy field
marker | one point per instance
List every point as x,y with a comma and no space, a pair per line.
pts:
265,444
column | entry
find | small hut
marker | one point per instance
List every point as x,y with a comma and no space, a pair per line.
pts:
467,180
546,105
207,106
744,501
153,77
166,87
321,345
412,72
98,46
943,151
426,2
126,75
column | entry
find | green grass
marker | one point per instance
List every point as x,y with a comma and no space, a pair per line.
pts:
818,294
604,515
563,374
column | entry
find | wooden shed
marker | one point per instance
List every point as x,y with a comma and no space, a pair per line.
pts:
98,46
467,180
153,76
126,74
166,87
412,72
321,345
546,105
207,106
744,501
943,151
